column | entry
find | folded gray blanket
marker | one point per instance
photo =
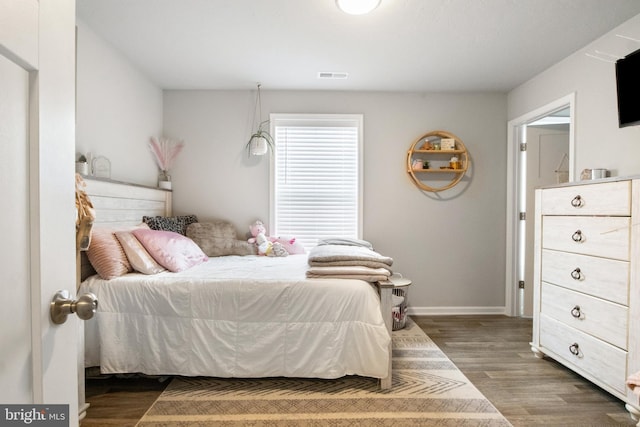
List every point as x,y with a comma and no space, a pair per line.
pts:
346,241
341,255
349,272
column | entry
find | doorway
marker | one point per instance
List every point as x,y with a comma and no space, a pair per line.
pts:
541,149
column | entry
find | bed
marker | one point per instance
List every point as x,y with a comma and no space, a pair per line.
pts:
231,316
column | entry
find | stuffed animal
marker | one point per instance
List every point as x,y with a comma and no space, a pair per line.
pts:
266,245
289,245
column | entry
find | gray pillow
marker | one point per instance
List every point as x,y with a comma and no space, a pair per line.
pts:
219,238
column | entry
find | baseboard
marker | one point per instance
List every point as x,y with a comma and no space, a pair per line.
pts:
451,311
82,411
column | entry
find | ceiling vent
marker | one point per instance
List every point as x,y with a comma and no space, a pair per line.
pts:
332,75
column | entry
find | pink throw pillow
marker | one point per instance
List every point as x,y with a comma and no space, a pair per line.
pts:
173,251
106,255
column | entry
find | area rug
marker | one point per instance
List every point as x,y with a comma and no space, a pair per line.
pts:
428,390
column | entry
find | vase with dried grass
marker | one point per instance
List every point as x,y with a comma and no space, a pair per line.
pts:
165,151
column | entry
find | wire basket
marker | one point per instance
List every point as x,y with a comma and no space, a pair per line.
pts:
399,311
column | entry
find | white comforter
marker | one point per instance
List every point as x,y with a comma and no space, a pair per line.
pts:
237,316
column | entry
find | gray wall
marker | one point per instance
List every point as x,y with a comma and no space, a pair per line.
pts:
451,244
118,109
599,141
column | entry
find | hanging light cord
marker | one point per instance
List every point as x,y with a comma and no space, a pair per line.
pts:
258,107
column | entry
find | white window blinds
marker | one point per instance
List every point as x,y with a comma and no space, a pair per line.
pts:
316,177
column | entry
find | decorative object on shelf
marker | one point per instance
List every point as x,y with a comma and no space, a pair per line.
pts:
261,140
455,163
447,144
588,174
357,7
165,151
442,155
82,167
101,167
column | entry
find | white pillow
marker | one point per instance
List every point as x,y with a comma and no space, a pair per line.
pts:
137,255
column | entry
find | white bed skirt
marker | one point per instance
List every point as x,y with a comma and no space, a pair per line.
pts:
237,316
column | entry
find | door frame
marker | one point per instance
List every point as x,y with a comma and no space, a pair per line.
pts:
514,243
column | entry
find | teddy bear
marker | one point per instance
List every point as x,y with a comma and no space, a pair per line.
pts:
268,246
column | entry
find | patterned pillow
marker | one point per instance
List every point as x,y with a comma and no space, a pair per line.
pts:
177,224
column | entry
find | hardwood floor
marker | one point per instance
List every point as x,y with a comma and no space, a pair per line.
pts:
492,351
120,402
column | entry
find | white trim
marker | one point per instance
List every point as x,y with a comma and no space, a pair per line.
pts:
511,297
452,311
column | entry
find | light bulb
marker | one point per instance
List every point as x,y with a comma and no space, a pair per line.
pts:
357,7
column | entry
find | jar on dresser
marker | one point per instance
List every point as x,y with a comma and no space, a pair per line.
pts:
586,312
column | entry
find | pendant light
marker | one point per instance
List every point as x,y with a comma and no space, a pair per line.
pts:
260,141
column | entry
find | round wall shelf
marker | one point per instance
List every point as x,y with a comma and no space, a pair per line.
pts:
429,159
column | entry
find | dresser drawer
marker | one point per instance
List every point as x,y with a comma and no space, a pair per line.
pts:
600,236
597,317
609,198
601,277
600,360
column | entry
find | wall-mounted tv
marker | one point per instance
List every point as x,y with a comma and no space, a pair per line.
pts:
628,85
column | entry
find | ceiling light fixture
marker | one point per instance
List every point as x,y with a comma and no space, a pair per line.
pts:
357,7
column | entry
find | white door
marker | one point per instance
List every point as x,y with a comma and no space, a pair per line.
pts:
547,151
38,360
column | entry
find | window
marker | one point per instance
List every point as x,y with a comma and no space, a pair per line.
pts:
316,176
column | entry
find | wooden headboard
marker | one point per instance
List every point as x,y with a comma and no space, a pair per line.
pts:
119,203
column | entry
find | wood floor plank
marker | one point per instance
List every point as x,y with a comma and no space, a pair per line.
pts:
492,351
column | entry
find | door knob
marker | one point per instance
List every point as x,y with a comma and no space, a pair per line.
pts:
62,306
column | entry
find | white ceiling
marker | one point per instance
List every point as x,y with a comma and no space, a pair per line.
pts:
404,45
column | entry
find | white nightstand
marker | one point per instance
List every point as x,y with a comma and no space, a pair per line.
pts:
399,300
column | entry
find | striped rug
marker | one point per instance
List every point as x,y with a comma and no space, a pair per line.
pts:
428,390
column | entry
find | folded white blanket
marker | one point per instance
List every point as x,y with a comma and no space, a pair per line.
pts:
341,255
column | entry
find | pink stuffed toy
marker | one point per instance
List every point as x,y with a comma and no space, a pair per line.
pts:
266,245
288,245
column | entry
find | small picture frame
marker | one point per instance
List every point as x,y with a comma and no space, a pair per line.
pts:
448,144
101,167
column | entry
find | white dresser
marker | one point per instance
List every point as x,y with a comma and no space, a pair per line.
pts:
587,283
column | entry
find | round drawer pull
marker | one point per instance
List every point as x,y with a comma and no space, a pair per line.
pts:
575,312
577,236
576,274
577,202
574,349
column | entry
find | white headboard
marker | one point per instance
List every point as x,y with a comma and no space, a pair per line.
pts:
119,203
